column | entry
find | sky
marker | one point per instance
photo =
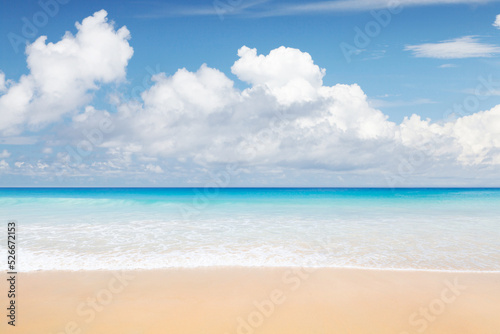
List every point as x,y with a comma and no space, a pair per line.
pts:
257,93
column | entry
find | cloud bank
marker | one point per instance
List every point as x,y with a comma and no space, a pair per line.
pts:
287,121
288,117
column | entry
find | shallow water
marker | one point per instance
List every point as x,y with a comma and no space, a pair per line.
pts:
141,228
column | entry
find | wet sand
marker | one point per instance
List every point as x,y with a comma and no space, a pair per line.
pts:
254,300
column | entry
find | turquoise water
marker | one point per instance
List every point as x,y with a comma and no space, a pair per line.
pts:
145,228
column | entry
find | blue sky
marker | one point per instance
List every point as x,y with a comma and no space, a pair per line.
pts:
425,60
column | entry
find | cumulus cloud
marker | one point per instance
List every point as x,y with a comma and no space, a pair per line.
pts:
188,123
287,73
479,137
63,74
496,24
463,47
471,140
286,118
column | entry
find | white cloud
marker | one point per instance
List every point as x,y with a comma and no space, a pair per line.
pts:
3,86
360,5
154,168
287,73
204,92
463,47
471,140
286,118
268,9
3,165
62,74
497,22
448,65
286,123
479,137
4,154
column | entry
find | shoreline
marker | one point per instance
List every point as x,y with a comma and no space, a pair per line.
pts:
418,270
269,268
247,300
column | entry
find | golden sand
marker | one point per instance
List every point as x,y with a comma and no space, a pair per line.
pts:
254,300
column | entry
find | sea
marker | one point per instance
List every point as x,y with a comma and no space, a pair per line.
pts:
156,228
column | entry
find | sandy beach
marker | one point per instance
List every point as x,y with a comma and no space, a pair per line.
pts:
255,300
